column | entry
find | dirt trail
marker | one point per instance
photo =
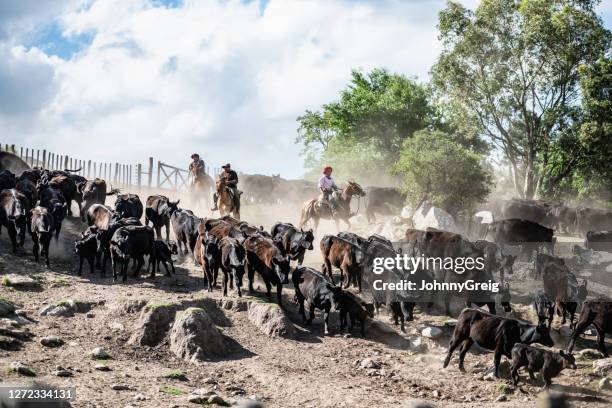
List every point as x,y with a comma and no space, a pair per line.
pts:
386,369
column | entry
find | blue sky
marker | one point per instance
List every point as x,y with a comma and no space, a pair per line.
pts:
125,80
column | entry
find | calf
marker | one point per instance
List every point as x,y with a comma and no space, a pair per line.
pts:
7,180
67,186
548,363
185,227
14,210
544,308
492,333
41,230
357,310
208,255
158,210
163,254
292,241
599,314
346,256
132,242
313,287
233,259
87,248
264,257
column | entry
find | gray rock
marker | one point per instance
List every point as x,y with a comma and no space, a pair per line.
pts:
19,282
7,308
99,354
432,332
270,319
194,336
120,387
22,369
501,398
140,397
63,373
51,341
102,367
368,363
590,354
153,324
604,384
129,306
217,400
603,367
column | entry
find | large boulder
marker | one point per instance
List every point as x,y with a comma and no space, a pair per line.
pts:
153,324
270,319
428,216
194,336
7,308
603,367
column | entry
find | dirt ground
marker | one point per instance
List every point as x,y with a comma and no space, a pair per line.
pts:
311,370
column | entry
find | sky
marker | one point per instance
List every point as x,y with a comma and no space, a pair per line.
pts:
122,80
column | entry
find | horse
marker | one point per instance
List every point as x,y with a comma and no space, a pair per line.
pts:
314,212
201,189
225,201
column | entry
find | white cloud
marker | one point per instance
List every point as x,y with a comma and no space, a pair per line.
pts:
216,77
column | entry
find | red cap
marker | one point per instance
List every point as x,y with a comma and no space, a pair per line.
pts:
327,168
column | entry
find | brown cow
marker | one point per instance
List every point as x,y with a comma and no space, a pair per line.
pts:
598,313
208,255
264,257
342,254
99,215
220,229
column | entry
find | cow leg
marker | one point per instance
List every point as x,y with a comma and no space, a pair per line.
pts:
113,266
344,271
172,265
166,267
225,279
580,327
279,297
447,299
167,231
326,319
251,276
300,259
342,320
465,346
301,309
231,279
514,373
36,247
91,261
81,259
12,230
406,308
601,334
455,341
497,359
530,371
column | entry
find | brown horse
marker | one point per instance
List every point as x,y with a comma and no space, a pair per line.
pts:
225,201
314,212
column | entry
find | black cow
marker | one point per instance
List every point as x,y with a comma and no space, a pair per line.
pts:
128,206
208,255
233,260
356,309
185,227
7,180
313,287
492,332
14,214
42,231
537,211
544,308
293,241
158,210
599,240
383,200
516,231
87,249
163,253
599,314
53,200
548,363
132,242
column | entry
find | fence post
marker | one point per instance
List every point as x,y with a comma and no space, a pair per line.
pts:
139,175
44,161
130,175
150,171
13,149
158,172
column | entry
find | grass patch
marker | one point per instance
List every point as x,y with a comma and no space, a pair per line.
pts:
155,305
504,388
176,375
60,282
6,281
170,390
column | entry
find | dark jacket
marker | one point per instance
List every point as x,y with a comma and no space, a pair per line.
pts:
230,177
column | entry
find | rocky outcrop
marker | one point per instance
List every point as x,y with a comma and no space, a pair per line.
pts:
153,324
194,336
270,319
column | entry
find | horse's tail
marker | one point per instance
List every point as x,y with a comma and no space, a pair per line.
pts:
304,214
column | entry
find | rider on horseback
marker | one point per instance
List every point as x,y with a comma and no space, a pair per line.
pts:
327,186
197,168
230,177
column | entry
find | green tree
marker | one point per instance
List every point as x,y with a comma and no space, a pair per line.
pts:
514,66
367,125
438,169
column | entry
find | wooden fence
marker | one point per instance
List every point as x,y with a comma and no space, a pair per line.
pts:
116,174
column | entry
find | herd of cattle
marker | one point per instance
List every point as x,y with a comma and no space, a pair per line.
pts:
38,201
